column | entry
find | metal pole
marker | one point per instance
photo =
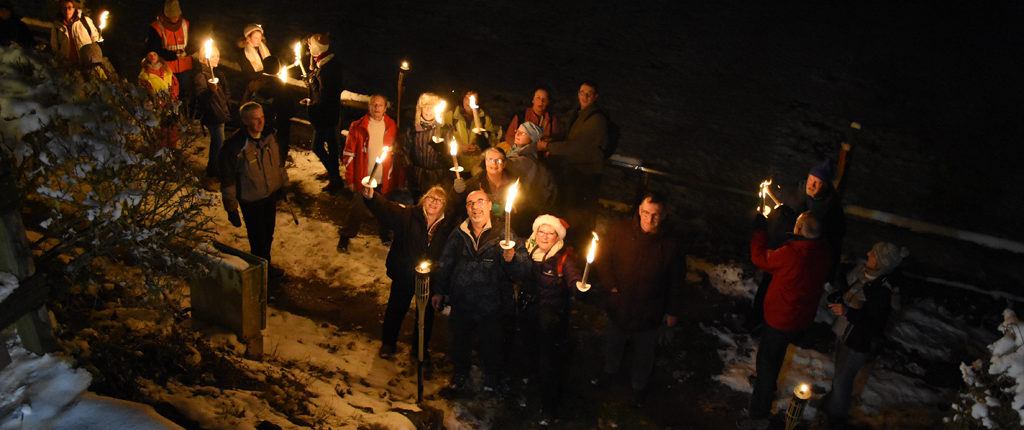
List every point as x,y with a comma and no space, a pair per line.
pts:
422,294
398,103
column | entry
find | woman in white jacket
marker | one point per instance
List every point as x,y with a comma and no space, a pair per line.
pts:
71,32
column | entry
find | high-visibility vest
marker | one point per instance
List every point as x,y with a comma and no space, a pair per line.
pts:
175,41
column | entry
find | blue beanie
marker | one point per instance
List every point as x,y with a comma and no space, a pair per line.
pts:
823,171
532,130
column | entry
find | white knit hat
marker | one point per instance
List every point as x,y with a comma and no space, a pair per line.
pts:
251,28
556,223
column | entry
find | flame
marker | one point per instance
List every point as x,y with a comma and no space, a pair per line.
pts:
472,102
512,192
802,391
207,47
298,51
593,248
405,65
438,113
383,154
454,147
283,74
103,19
425,265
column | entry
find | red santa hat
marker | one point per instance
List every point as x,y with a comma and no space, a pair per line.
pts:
556,223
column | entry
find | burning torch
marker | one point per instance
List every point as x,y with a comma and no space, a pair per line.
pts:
103,22
369,181
422,295
801,393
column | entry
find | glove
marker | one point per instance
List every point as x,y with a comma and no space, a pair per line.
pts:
759,222
459,186
234,219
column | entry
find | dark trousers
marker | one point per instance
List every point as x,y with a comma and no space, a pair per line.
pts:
402,293
545,334
260,217
644,345
578,201
325,146
771,353
486,331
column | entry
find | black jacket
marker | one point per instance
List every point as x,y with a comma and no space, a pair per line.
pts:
325,92
413,242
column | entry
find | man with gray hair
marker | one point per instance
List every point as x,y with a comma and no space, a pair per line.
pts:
253,178
799,269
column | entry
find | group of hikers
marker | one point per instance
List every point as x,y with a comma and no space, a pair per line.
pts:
438,190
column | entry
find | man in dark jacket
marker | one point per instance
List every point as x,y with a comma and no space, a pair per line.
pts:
253,178
420,234
325,85
643,270
475,276
823,201
799,269
577,159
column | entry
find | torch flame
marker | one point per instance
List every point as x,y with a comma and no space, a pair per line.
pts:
383,154
512,191
424,265
454,147
802,392
405,65
283,74
298,51
103,19
593,248
472,102
439,111
207,48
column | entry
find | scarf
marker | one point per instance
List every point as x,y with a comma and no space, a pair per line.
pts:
255,55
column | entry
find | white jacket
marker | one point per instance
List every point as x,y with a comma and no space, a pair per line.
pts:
84,33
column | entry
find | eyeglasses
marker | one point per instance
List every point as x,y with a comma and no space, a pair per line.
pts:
546,234
496,160
477,202
433,199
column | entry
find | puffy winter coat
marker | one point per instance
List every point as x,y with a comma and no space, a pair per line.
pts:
552,281
474,275
799,268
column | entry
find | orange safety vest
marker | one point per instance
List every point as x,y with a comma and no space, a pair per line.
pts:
174,41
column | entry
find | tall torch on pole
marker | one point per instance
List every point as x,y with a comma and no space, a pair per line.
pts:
398,102
422,295
801,393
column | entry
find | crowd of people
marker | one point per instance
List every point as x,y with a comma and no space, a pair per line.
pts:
509,289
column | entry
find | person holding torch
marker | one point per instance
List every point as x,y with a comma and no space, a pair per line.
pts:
474,130
420,235
475,276
643,268
544,305
367,147
427,154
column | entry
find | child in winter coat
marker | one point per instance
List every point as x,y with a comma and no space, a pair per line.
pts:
161,83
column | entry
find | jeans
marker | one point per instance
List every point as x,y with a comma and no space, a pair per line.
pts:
644,345
216,141
771,353
847,365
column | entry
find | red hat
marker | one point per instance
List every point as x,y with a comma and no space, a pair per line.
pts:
556,223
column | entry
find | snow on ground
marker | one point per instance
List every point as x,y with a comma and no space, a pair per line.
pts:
348,385
922,327
8,283
45,392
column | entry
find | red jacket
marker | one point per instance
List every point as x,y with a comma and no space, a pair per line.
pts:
355,159
798,269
